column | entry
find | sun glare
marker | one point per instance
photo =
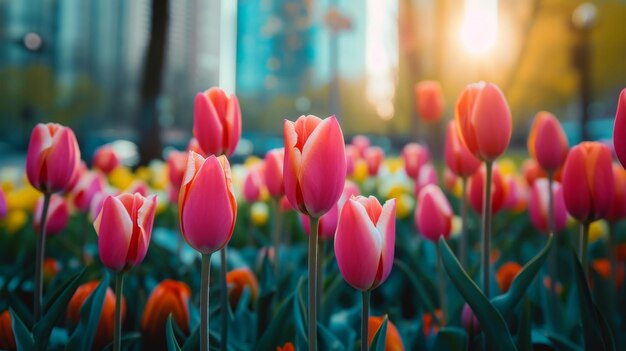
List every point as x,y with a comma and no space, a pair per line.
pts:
480,26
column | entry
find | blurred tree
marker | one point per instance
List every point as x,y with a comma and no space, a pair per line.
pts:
148,122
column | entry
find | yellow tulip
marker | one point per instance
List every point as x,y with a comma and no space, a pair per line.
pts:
259,213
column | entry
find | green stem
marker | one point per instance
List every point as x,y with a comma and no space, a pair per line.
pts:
179,237
611,251
365,315
486,234
83,237
313,284
40,253
321,249
278,222
442,286
584,238
117,330
204,302
464,238
223,299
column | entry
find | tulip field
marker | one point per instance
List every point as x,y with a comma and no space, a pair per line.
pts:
328,243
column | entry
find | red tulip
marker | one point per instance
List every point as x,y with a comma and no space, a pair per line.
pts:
88,186
364,242
361,143
374,157
217,122
516,194
458,158
483,120
176,163
57,218
287,347
124,228
105,159
274,161
393,341
168,297
588,181
239,279
433,215
618,205
78,175
7,339
254,183
208,208
414,156
547,143
315,164
429,100
475,192
539,206
619,130
53,157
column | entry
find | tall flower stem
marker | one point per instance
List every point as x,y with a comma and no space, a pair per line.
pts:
223,299
40,253
486,234
204,302
584,239
278,223
117,329
464,238
552,256
611,251
442,285
321,252
83,236
313,284
365,315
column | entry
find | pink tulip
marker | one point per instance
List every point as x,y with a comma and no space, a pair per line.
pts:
547,142
352,156
361,143
176,163
476,191
254,183
427,175
124,228
433,215
516,194
208,208
414,156
217,122
374,157
429,100
57,217
315,164
53,157
458,158
138,186
532,171
284,204
450,180
483,120
618,205
3,204
539,208
88,186
364,242
194,146
469,321
105,159
619,129
274,162
78,174
588,181
328,222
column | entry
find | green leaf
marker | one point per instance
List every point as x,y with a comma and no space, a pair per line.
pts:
172,344
524,342
591,331
506,303
300,316
607,334
266,296
23,338
276,328
380,337
193,341
90,316
127,341
20,309
451,338
491,322
58,305
419,289
328,340
563,343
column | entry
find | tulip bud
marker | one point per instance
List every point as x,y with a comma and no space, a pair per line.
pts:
57,217
427,175
428,326
53,157
254,183
217,122
414,156
393,341
7,339
124,228
458,158
50,269
532,171
328,222
483,120
618,205
505,275
588,181
176,163
364,242
274,161
374,157
433,216
207,203
3,204
315,164
469,321
539,210
105,159
619,129
475,193
239,279
168,297
287,347
429,100
361,143
352,156
104,331
88,186
259,214
547,143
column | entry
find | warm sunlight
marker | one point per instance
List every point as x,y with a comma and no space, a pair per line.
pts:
480,25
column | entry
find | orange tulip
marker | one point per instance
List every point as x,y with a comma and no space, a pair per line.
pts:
237,280
7,339
505,275
483,119
393,341
602,266
287,347
429,100
104,331
168,297
547,143
429,327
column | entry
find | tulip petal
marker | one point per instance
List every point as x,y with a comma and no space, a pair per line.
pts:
576,192
323,172
40,140
207,127
600,175
114,228
619,130
145,221
358,246
62,160
292,167
491,119
233,125
386,226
